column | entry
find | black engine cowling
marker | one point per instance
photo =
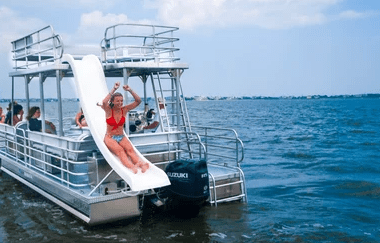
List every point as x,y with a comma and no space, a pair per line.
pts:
189,187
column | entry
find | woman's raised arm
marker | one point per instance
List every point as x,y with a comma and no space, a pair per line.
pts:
134,104
109,95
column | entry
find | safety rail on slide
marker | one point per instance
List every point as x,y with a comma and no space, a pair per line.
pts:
138,42
39,48
75,163
223,146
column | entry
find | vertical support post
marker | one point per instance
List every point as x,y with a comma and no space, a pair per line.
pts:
154,44
172,87
27,79
144,82
12,99
126,99
177,100
125,80
42,109
42,104
59,97
146,106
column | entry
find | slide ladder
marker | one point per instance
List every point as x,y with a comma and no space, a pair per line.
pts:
164,85
92,88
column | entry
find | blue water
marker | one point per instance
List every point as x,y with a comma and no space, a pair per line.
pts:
312,172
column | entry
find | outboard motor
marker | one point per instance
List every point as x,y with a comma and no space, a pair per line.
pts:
189,187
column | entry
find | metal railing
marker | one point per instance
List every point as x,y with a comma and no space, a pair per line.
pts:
138,42
40,47
65,165
38,155
223,146
69,165
182,144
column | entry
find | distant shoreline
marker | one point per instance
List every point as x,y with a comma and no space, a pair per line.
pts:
206,98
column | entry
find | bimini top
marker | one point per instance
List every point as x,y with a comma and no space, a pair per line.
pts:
133,46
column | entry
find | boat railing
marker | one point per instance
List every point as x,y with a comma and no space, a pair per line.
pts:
39,48
176,144
138,42
66,163
223,146
71,162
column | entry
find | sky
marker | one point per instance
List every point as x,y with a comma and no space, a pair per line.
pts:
233,47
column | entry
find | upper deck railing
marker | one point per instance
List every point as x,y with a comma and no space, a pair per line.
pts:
138,42
121,43
39,48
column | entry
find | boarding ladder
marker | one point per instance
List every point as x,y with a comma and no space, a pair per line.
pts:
227,190
170,102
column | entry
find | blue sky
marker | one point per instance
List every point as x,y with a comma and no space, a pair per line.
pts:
234,47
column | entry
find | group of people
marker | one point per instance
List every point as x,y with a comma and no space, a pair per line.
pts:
115,113
17,114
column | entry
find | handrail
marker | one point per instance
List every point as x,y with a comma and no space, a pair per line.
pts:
145,25
116,46
39,47
195,139
238,149
19,146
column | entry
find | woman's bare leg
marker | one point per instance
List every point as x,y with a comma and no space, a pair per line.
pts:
118,150
132,154
144,166
129,150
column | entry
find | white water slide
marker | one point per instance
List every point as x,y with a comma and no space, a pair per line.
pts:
92,88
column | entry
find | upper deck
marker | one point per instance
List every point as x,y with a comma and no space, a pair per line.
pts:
141,48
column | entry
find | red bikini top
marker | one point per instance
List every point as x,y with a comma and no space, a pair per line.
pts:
112,122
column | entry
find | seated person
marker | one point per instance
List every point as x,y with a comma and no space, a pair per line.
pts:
2,116
149,116
34,124
80,120
17,113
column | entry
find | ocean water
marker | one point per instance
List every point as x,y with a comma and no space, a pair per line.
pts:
312,170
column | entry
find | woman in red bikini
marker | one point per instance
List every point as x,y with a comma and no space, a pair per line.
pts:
115,140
